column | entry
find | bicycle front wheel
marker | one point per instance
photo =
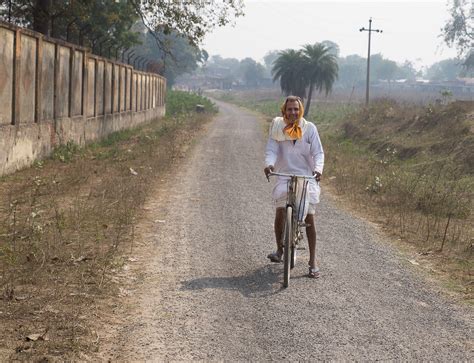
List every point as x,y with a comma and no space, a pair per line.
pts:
287,246
293,256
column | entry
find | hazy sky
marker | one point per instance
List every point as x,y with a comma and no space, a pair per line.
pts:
411,29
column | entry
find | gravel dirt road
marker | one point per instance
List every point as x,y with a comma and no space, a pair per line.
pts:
205,290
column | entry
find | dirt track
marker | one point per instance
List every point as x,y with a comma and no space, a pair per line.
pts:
206,291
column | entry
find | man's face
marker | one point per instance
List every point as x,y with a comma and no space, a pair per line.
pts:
292,110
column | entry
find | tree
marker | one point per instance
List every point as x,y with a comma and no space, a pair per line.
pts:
459,31
109,21
387,70
251,71
268,60
445,70
320,69
333,47
41,17
352,71
406,71
469,62
190,19
289,69
111,26
313,67
180,57
382,68
228,68
102,25
353,67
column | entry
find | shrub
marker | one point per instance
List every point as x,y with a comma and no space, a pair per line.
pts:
180,102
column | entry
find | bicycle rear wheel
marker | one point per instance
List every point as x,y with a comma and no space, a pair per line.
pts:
287,246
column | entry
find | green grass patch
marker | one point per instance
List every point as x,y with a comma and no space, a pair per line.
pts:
117,137
64,153
329,113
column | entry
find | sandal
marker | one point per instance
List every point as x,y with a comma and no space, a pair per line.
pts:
313,273
274,257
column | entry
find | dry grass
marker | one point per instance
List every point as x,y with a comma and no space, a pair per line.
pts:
66,226
410,169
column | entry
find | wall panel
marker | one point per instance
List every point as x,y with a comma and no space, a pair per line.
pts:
7,39
27,79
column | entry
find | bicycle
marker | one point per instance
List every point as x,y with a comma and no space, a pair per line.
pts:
294,221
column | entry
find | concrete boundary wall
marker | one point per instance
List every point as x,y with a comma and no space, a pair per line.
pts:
53,92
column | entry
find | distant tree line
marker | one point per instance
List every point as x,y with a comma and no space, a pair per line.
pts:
246,72
352,69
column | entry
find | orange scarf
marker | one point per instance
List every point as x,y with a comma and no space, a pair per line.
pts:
293,130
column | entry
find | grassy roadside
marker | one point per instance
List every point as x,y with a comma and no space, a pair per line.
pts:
67,225
407,168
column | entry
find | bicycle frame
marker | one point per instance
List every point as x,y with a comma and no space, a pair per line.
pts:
292,232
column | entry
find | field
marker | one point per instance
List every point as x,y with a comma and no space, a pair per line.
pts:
67,227
405,166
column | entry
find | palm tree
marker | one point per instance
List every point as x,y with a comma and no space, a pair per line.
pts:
320,69
288,67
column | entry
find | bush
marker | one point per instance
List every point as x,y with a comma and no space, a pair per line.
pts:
66,152
179,102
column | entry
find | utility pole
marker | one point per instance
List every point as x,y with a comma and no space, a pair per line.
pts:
370,30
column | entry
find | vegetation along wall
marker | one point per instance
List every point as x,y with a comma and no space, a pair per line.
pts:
53,92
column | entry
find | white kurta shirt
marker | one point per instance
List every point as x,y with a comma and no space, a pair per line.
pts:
301,157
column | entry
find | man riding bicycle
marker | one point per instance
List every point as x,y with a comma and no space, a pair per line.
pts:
294,147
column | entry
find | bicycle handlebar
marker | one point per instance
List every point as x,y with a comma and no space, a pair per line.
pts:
290,175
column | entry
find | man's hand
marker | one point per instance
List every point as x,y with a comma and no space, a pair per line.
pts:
317,175
269,169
